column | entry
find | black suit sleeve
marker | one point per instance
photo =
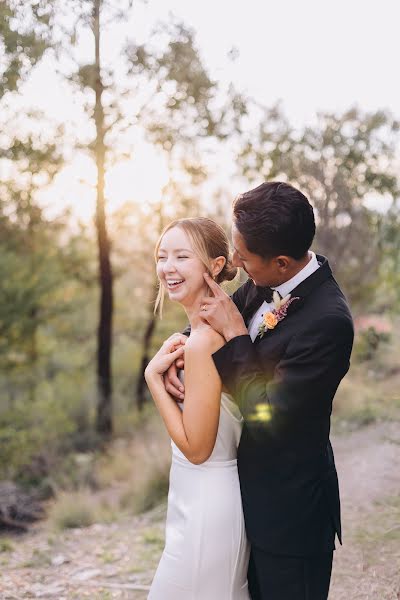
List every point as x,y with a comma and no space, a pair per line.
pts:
301,385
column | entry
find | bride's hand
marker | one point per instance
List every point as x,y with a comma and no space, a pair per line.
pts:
165,357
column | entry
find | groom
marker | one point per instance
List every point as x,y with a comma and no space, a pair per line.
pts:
287,349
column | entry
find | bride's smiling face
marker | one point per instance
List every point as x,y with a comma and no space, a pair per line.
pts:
179,269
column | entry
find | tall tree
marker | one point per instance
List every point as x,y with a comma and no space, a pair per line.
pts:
103,94
104,416
186,115
345,164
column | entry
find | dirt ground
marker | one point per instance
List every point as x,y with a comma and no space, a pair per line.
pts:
367,566
118,560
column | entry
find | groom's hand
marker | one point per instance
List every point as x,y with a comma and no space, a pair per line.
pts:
221,312
172,383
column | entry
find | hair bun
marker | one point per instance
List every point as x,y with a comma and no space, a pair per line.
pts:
228,273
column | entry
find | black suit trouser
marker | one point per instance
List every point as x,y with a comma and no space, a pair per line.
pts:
274,577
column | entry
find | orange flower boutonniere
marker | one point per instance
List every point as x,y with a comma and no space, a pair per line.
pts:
278,313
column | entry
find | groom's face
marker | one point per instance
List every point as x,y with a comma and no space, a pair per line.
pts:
263,271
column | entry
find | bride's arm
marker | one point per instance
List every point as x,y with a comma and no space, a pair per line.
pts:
194,430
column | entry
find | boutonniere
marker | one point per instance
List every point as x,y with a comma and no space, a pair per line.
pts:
278,313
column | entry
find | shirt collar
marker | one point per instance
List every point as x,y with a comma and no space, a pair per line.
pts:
286,288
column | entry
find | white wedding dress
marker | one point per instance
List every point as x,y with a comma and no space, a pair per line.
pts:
206,551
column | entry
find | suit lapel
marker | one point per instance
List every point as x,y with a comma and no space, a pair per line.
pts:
301,292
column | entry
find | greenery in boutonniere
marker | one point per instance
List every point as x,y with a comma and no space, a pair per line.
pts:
278,313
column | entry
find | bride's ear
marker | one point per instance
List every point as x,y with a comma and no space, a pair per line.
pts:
217,264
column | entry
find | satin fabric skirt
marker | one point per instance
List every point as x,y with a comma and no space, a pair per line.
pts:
206,552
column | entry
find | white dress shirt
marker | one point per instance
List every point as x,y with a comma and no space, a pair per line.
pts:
284,289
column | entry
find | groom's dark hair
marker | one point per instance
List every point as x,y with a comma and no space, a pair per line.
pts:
275,218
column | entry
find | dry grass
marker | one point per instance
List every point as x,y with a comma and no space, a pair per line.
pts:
137,469
379,534
129,478
368,566
73,509
371,390
6,545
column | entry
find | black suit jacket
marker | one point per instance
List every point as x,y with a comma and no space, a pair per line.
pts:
284,384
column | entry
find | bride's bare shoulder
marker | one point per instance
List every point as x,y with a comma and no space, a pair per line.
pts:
205,339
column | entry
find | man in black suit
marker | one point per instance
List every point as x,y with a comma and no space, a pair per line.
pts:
286,351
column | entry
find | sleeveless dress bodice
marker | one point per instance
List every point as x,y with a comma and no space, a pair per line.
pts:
228,435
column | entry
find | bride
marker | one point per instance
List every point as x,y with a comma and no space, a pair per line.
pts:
206,552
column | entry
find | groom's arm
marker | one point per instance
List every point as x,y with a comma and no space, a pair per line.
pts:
315,361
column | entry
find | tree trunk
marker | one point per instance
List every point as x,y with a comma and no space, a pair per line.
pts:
33,355
104,340
146,343
149,330
32,348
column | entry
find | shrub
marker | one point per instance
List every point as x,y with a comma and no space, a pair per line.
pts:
72,510
147,494
368,342
6,545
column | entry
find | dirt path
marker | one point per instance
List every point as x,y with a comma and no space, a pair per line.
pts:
103,562
367,566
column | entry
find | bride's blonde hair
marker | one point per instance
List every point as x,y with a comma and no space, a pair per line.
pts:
208,241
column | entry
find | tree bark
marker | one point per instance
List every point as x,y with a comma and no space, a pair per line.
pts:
104,339
149,329
146,343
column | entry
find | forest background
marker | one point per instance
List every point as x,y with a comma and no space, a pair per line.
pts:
114,121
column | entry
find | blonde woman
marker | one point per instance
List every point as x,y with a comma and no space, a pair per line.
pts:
206,553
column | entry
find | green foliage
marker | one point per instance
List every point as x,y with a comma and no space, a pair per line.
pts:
184,103
340,163
43,384
24,28
41,381
388,285
368,343
46,287
179,69
28,431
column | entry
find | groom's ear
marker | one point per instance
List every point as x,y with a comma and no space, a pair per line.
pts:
283,262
